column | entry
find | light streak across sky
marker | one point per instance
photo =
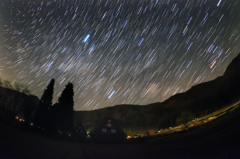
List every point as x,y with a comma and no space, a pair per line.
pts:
117,51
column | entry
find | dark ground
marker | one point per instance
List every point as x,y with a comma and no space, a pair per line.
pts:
218,139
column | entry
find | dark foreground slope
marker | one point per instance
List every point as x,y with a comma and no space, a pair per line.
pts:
219,139
202,98
16,102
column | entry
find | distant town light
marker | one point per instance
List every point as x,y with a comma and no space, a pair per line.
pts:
129,137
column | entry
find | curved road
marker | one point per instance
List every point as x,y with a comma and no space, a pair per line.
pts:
217,139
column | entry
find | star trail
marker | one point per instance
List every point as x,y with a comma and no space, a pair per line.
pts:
117,51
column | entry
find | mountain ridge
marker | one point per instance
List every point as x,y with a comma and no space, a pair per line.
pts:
202,98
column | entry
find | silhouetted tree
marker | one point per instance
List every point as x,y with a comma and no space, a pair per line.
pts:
46,99
26,91
62,112
45,104
7,84
17,87
14,86
20,88
1,84
66,98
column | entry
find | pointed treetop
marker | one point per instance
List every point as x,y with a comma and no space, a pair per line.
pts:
66,98
47,96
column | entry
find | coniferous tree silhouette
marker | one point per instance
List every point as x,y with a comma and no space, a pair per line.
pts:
66,98
46,99
45,104
63,110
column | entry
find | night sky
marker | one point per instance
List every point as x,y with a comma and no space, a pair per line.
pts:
117,51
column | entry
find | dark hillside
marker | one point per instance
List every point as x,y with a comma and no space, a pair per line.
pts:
15,101
200,99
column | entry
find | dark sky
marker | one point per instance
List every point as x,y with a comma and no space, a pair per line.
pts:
117,51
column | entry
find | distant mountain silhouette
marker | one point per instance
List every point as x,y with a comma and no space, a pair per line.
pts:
200,99
203,98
